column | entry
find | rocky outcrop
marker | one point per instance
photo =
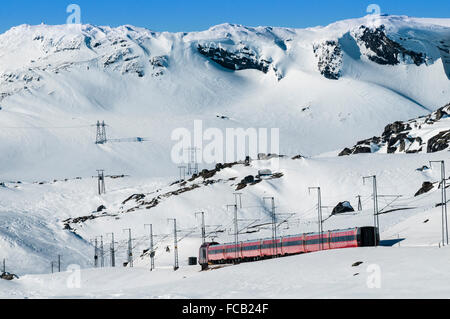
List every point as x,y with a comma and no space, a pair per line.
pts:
159,65
240,59
8,276
341,208
439,142
414,136
383,50
329,55
426,187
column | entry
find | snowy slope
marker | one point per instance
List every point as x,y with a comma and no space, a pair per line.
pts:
56,81
48,208
403,273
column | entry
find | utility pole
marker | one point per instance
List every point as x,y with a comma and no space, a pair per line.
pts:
236,229
182,173
376,220
59,263
52,263
101,181
203,226
319,213
112,251
4,265
443,202
274,226
175,241
130,248
359,203
102,253
151,251
96,253
236,195
192,165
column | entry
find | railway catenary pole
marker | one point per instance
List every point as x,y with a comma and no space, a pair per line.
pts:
319,213
203,226
443,203
130,248
112,251
175,241
59,263
96,253
182,173
4,266
102,253
274,227
376,220
236,195
236,230
101,181
151,251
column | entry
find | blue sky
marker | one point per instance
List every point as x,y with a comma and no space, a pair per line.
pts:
192,15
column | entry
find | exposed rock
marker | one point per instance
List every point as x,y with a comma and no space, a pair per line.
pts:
362,150
159,62
240,59
341,208
136,197
384,51
439,142
426,187
8,276
329,54
346,152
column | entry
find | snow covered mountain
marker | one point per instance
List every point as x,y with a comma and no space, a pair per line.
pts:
323,87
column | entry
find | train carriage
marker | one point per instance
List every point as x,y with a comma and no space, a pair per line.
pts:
270,247
251,249
292,245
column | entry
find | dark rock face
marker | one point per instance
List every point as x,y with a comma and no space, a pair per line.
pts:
386,51
241,59
439,142
8,276
362,147
341,208
426,187
330,56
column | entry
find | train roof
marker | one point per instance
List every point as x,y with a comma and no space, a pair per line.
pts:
289,236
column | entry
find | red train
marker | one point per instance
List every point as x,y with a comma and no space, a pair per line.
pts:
214,253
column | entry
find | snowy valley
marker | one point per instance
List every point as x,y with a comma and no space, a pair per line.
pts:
325,88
